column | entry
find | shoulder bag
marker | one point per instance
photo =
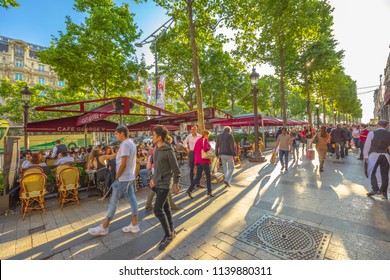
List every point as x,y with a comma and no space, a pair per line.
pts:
209,154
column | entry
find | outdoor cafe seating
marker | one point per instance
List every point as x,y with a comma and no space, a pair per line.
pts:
69,183
32,191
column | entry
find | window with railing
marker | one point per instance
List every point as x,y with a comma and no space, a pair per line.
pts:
41,81
41,68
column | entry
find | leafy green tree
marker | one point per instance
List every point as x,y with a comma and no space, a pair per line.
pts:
269,99
223,78
175,59
200,17
276,32
97,56
7,3
315,64
42,95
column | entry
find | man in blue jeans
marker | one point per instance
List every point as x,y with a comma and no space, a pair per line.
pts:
123,184
166,176
284,143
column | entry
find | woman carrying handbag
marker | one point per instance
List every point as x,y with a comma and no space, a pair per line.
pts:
202,163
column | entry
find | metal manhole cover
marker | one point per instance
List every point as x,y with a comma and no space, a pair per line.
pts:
287,239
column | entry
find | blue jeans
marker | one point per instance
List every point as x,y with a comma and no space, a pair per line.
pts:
199,169
143,174
285,155
118,189
228,167
356,142
192,164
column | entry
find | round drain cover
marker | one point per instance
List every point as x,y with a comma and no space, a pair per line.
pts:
285,237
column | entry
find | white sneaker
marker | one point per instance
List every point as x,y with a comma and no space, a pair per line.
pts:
99,230
131,228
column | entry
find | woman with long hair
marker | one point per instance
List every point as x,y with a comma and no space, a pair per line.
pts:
322,145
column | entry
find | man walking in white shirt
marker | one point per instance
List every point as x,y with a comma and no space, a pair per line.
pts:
376,153
123,184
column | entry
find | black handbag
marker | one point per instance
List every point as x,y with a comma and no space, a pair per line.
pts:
315,140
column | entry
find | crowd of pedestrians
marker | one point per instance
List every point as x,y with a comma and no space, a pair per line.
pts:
157,166
374,149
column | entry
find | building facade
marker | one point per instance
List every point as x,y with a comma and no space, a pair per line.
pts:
382,95
18,62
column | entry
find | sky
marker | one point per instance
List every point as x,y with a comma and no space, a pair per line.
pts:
359,26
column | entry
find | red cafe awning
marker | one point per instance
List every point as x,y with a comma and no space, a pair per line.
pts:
248,121
69,125
169,127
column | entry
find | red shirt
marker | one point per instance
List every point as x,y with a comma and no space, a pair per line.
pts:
363,135
199,146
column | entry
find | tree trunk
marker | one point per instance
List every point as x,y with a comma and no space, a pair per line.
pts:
307,97
195,69
323,110
282,88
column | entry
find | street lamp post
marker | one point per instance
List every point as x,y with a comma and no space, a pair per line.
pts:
318,114
153,38
26,97
257,155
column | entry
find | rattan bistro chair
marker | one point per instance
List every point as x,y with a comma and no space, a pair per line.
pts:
32,169
69,183
58,169
50,161
32,191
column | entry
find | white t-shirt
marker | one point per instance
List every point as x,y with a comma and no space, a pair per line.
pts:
127,148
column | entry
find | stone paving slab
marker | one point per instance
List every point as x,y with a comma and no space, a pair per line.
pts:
208,228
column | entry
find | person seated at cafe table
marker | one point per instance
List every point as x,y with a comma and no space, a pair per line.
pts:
63,158
26,160
37,160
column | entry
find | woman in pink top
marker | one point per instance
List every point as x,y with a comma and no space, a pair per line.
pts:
201,164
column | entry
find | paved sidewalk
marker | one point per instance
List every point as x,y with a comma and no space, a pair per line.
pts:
334,200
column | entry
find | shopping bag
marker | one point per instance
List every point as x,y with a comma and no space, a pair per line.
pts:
273,158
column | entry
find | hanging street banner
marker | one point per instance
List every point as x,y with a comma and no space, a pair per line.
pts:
149,85
161,93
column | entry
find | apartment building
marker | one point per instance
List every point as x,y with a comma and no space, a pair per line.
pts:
18,62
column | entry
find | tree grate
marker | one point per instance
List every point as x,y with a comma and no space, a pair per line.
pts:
287,239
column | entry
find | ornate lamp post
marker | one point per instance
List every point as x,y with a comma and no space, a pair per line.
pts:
257,156
318,114
26,97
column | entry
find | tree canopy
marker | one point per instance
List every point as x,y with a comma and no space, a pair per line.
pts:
98,55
